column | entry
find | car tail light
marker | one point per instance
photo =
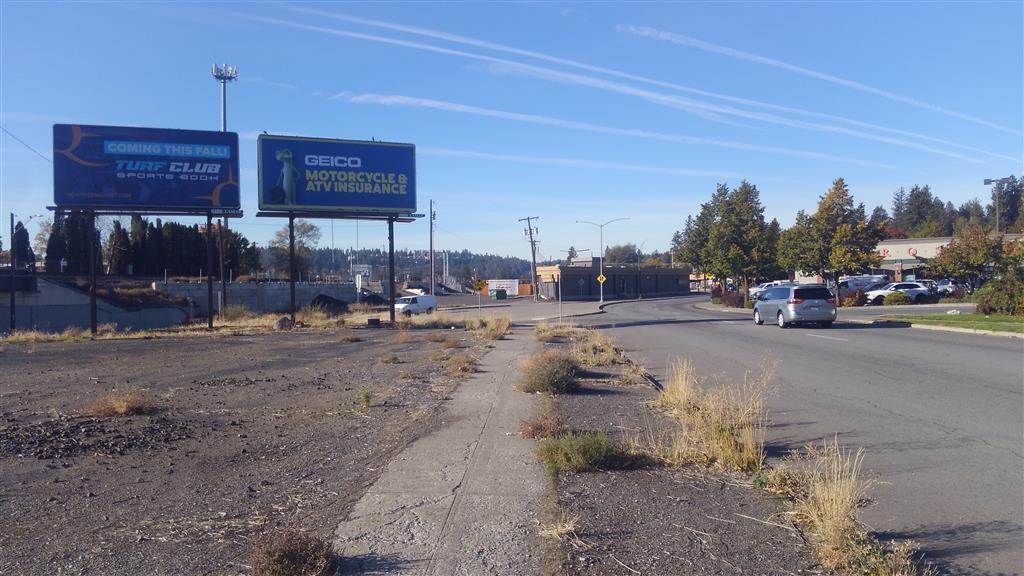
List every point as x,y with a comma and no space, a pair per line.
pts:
830,300
795,301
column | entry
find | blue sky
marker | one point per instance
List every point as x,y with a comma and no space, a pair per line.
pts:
567,111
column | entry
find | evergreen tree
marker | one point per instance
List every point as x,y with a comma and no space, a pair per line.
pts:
842,241
56,245
118,250
138,246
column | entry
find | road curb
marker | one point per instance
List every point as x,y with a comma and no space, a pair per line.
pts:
945,328
708,308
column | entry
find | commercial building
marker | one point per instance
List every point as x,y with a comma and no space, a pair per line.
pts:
578,280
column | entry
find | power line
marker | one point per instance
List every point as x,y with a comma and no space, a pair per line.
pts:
22,142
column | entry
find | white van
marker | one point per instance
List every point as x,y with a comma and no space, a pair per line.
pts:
410,305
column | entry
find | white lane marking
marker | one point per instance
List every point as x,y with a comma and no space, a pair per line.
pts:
827,337
541,318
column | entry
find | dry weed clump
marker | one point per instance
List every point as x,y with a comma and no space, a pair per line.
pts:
403,337
563,527
435,337
351,338
451,344
825,485
834,490
121,403
545,332
495,327
293,553
545,425
459,364
726,423
590,348
576,452
665,447
549,372
234,312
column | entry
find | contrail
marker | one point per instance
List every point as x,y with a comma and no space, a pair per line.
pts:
672,101
589,164
468,41
415,102
691,42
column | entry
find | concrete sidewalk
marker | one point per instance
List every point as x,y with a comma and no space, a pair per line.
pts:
464,500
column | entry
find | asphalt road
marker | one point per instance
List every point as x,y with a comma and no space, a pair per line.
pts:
940,415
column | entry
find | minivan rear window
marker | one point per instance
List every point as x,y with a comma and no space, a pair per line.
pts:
813,293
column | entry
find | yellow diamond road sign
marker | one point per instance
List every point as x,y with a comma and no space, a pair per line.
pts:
601,278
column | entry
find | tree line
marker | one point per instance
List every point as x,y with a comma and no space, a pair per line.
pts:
730,238
151,248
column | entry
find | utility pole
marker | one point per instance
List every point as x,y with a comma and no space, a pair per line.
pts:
530,231
223,74
998,193
433,217
13,272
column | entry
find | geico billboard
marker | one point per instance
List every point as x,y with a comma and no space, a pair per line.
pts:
144,168
314,174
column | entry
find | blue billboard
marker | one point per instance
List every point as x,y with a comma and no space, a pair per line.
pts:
144,169
315,174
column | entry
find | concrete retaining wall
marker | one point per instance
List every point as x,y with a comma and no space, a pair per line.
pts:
54,307
260,296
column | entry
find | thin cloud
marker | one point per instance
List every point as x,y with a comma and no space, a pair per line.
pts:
588,164
414,102
468,41
669,100
690,42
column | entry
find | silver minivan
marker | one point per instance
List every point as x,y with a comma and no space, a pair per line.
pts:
788,305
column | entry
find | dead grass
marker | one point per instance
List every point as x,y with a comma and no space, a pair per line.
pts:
121,403
403,337
826,487
351,338
390,360
834,490
495,327
545,425
563,527
435,338
725,423
591,348
461,364
549,372
576,452
666,447
451,344
292,553
633,375
406,375
234,313
545,332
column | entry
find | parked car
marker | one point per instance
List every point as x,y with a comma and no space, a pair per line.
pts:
917,292
796,304
762,287
753,291
854,283
409,305
947,286
931,285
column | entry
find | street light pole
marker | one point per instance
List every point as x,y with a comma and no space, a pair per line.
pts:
601,235
989,182
223,74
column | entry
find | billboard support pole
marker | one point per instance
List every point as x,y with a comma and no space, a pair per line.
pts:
92,274
13,272
223,278
391,269
209,270
291,265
